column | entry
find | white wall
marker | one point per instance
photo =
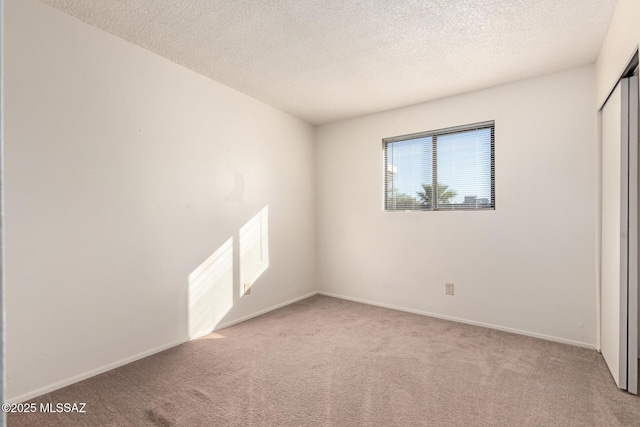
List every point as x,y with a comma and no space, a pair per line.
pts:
123,173
530,265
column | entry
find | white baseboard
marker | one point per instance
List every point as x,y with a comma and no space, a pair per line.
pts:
266,310
92,373
63,383
122,362
466,321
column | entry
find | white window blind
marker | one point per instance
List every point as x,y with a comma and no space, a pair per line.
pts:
447,169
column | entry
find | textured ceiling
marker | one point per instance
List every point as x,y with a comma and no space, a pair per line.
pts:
328,60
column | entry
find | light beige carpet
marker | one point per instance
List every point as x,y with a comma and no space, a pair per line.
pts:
325,361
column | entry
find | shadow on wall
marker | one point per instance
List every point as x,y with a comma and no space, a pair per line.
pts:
210,285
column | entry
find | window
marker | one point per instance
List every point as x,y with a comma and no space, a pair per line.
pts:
447,169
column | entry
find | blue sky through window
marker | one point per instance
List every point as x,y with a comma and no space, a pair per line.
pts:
464,164
411,161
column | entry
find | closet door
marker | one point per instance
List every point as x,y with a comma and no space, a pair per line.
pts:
619,238
632,106
614,238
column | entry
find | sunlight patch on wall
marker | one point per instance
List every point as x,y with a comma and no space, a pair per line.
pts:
211,291
254,249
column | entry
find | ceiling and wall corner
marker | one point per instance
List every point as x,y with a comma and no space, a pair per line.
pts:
331,60
619,45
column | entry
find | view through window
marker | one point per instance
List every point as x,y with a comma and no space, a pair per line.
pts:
447,169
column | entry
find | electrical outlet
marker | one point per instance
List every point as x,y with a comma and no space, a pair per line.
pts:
247,288
448,288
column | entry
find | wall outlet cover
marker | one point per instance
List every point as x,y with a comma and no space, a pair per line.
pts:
448,288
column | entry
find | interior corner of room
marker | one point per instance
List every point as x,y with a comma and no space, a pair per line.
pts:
145,205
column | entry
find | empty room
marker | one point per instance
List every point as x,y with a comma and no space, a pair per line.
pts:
298,212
